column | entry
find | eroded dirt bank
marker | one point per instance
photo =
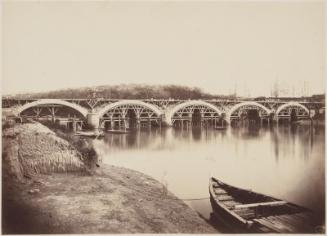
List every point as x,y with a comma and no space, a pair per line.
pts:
47,188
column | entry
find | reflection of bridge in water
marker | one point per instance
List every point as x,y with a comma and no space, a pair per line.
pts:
118,114
283,139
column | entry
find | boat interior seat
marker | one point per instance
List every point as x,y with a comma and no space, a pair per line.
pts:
219,191
253,205
246,213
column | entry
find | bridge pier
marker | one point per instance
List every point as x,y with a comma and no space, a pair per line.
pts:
202,119
149,123
74,125
93,120
125,123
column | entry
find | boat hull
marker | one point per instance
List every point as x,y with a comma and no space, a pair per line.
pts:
223,216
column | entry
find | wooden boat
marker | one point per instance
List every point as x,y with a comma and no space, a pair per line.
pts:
114,131
90,134
221,128
245,211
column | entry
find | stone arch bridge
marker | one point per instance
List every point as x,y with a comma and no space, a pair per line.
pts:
113,113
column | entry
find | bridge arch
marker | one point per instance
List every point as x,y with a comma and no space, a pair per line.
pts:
247,104
291,104
129,114
190,105
74,106
111,106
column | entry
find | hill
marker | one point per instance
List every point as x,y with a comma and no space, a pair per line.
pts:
123,91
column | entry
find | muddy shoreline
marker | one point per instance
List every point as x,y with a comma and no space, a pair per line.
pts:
43,192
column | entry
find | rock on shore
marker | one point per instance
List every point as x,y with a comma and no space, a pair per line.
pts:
61,197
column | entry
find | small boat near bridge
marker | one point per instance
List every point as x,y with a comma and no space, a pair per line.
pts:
116,131
90,134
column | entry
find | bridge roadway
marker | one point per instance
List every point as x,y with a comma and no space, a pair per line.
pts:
113,113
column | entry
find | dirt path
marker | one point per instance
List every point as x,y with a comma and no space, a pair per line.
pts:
113,200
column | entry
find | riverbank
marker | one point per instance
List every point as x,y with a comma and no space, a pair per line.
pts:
49,188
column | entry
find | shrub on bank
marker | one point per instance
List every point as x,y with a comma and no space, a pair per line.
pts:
32,148
83,146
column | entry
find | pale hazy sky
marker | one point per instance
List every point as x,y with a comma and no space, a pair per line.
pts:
212,45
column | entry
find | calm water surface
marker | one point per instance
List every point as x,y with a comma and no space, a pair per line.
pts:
285,162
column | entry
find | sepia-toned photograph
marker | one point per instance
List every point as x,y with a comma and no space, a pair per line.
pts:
163,117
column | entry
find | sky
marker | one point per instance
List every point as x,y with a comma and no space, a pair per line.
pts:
220,47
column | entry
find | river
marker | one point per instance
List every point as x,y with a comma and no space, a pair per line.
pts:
286,162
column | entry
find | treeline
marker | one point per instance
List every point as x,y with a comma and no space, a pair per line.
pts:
130,91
